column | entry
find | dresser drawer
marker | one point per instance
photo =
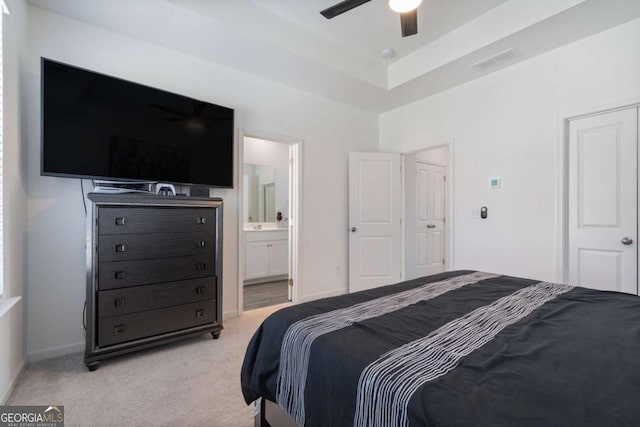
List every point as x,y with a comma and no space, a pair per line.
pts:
126,220
119,329
127,247
118,302
123,274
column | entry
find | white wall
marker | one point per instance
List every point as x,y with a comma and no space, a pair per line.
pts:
15,200
276,154
508,124
56,256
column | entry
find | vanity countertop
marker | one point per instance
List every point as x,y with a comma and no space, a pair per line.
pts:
251,229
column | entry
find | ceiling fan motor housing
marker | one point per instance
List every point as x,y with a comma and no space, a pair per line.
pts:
408,10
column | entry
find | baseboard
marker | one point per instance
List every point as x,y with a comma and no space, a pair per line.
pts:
12,384
50,353
229,314
320,295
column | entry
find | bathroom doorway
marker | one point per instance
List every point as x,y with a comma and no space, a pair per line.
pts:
268,255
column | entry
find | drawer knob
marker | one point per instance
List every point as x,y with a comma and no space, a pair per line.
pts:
120,220
201,220
118,302
200,290
202,243
120,247
120,275
201,267
118,329
199,313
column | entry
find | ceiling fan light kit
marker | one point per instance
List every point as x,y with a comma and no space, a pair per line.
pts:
404,6
408,10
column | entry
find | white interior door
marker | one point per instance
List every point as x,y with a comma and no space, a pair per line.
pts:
375,235
603,201
430,219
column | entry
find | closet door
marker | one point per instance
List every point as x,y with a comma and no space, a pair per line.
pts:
430,219
603,201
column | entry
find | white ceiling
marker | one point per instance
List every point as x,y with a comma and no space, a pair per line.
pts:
288,41
373,26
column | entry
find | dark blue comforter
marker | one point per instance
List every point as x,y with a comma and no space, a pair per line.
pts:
460,348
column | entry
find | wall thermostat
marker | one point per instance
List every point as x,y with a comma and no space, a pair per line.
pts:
495,182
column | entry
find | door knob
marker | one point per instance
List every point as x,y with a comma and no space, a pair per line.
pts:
353,229
431,226
626,241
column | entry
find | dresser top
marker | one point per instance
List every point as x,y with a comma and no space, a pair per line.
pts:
152,199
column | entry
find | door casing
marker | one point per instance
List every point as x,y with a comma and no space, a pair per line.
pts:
295,209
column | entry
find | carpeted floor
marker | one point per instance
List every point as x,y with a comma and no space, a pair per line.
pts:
190,383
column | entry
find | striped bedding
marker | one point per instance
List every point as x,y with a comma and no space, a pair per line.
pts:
462,348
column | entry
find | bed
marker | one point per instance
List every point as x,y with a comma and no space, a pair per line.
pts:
462,348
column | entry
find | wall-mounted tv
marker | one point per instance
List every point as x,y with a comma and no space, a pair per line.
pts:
101,127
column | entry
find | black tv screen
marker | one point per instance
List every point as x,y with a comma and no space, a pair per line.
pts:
96,126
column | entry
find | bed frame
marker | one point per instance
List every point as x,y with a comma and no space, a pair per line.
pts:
271,415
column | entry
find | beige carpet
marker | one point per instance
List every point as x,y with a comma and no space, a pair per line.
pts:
190,383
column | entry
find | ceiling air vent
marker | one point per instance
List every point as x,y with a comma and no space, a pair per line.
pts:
494,59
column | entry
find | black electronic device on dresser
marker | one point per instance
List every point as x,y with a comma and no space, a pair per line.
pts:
154,272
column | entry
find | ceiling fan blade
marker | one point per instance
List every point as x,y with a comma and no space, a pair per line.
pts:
409,22
342,7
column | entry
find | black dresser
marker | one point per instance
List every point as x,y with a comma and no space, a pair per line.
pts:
154,269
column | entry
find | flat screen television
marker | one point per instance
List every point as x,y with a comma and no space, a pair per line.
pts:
101,127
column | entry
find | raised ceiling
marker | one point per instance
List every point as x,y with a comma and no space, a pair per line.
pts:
288,41
373,26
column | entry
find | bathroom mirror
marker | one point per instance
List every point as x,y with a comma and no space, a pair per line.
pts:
260,193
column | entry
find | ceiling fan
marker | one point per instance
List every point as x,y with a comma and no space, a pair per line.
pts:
408,10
